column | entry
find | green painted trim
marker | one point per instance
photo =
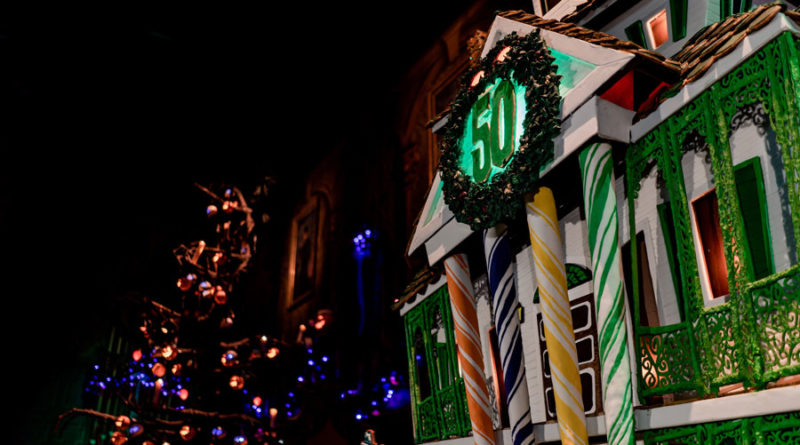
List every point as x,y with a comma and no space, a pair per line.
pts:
635,33
452,422
742,339
678,10
763,430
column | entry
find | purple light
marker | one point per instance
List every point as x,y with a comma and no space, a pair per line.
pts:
309,350
135,429
300,379
102,385
376,413
311,363
96,367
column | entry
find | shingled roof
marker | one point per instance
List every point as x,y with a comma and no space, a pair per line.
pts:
591,36
715,41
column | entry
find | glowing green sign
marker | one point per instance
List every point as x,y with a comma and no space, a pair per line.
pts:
493,129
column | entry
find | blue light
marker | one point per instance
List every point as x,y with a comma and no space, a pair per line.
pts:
287,405
368,233
374,403
96,367
217,432
102,385
311,363
341,396
322,376
300,379
309,350
244,391
419,357
291,394
359,417
135,429
239,439
325,358
383,379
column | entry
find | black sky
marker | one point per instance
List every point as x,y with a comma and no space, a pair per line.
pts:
110,113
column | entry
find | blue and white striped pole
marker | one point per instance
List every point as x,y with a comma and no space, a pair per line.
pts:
504,306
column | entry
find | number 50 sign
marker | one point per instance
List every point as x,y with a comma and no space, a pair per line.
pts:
493,125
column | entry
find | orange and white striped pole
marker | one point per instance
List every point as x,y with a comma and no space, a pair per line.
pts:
465,317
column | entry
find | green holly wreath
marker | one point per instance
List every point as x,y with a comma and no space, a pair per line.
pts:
528,62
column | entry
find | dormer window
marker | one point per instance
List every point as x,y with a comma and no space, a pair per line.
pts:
657,29
548,5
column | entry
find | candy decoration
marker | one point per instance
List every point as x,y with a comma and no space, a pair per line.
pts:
548,259
601,215
465,318
504,307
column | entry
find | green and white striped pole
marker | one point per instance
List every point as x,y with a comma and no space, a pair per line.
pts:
601,215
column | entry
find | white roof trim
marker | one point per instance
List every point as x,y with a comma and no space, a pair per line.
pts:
607,61
442,214
749,46
446,239
597,117
421,296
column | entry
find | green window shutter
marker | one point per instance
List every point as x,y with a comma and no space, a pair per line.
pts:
678,10
635,33
753,202
725,9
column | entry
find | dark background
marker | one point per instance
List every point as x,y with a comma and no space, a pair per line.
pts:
111,113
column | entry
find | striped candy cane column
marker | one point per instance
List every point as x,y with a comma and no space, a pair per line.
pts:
465,316
504,307
548,259
601,215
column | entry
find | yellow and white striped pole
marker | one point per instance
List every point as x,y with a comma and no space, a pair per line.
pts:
548,259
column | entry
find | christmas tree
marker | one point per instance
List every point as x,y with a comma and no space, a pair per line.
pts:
186,376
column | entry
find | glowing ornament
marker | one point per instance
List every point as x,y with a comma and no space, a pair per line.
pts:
206,289
176,369
218,432
137,355
135,430
217,256
185,283
159,370
118,438
236,382
183,394
226,322
229,358
273,352
240,440
187,433
159,384
122,422
257,401
211,210
273,412
167,352
220,296
264,339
